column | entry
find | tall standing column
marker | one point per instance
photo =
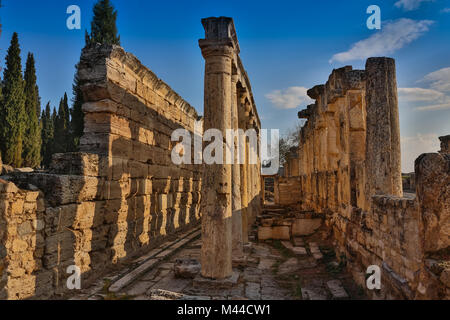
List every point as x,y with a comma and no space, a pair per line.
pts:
218,51
237,245
383,160
243,167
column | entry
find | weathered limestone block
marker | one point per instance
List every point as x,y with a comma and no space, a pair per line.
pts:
445,144
432,181
77,163
304,227
64,189
274,232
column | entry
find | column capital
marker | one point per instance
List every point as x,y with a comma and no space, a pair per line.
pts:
220,37
223,47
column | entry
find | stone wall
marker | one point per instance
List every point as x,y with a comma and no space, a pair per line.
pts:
386,236
408,237
287,190
22,245
349,171
118,197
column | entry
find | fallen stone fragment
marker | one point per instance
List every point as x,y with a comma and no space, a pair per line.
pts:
158,294
313,294
337,290
299,250
317,256
287,245
186,268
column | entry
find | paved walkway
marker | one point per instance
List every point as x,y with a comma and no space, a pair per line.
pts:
274,270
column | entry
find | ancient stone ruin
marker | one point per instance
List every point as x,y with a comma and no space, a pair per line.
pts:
120,202
121,195
347,171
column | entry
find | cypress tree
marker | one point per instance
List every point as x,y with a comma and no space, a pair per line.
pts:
62,137
77,116
65,106
103,31
12,125
103,25
32,139
47,136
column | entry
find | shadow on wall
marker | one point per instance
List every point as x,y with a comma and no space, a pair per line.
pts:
117,198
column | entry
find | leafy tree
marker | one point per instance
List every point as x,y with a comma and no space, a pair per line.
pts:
289,143
103,25
32,138
12,109
47,136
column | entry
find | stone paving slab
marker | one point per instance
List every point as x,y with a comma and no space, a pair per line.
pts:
337,290
226,283
146,265
267,273
299,251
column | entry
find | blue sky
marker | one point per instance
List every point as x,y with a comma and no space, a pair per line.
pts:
286,47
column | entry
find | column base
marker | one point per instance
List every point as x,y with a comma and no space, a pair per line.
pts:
201,282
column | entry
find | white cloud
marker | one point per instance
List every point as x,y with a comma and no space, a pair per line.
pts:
409,5
435,107
437,96
439,80
445,10
414,146
289,98
419,94
393,36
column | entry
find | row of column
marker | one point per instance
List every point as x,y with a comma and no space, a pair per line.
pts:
227,188
356,137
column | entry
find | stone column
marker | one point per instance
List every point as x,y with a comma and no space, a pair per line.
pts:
218,50
237,245
263,191
243,168
383,161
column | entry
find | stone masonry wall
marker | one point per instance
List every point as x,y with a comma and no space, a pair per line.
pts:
349,171
121,195
408,237
21,242
287,190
